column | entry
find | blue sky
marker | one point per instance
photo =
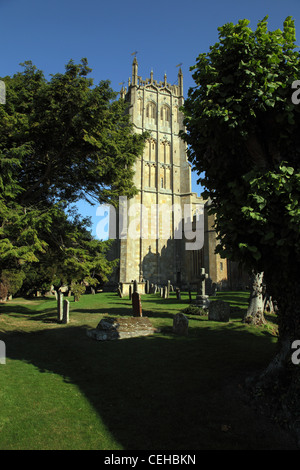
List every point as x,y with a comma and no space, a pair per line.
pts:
165,33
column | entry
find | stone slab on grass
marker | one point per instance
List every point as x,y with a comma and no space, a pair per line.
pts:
120,328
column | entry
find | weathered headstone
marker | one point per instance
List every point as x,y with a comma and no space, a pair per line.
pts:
119,292
161,291
180,324
121,328
136,305
219,310
178,294
135,286
60,306
130,291
168,289
66,309
165,292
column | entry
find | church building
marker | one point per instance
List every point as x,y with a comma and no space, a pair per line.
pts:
168,233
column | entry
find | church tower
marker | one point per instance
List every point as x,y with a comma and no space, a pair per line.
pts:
153,248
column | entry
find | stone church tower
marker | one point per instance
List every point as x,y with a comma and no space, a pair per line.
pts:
154,248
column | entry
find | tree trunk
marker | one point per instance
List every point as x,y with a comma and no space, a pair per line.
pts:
279,384
255,312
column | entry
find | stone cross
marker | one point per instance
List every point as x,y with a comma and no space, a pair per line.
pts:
136,305
66,309
203,277
201,299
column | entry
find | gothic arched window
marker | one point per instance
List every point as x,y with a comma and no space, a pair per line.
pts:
165,113
151,110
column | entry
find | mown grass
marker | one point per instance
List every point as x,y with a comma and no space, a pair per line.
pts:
59,389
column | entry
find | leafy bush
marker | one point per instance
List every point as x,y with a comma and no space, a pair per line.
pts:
194,310
78,290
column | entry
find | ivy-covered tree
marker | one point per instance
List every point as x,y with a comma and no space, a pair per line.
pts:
242,131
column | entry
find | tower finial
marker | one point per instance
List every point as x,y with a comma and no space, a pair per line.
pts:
134,71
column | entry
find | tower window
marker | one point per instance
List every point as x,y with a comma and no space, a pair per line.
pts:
161,182
165,113
151,111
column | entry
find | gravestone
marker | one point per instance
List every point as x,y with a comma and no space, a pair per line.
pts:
219,310
136,305
119,292
165,292
60,297
147,287
161,291
66,309
190,295
202,300
135,286
121,328
168,289
130,291
180,324
178,294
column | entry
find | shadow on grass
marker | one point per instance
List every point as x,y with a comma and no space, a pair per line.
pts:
161,392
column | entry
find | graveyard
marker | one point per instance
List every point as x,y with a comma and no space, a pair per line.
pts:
62,388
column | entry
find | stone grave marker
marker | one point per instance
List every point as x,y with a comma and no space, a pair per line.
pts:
180,324
202,299
119,292
60,297
168,289
130,291
121,328
219,310
136,305
165,292
178,294
66,310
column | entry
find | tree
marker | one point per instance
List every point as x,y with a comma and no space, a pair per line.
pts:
255,311
242,131
72,255
61,140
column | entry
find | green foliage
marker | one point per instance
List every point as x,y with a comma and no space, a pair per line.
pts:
61,140
13,280
194,310
78,289
242,131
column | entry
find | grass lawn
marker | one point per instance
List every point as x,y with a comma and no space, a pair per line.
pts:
59,389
